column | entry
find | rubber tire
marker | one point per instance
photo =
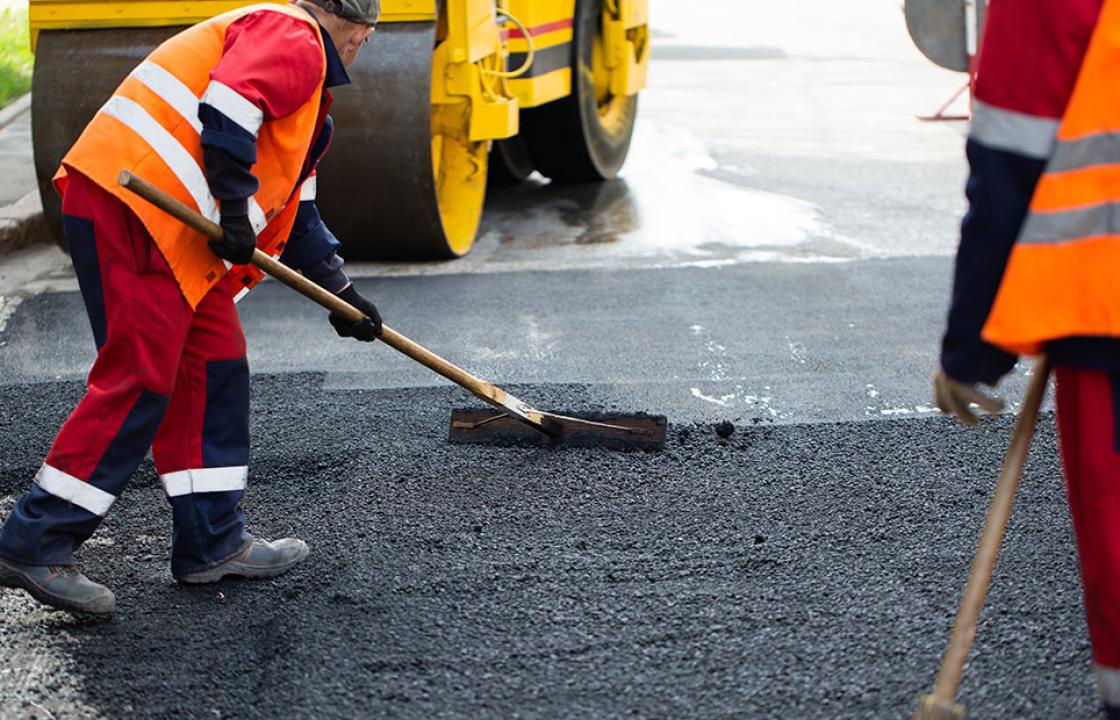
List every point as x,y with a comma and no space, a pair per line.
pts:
510,163
566,140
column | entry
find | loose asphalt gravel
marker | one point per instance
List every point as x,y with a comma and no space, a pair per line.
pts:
795,571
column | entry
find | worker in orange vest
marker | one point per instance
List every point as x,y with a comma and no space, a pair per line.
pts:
1039,260
231,118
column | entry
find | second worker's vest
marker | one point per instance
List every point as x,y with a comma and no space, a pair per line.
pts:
150,126
1063,277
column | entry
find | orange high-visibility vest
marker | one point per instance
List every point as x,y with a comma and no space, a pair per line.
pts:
1063,277
150,127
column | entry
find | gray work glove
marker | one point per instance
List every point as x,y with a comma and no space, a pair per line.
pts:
954,397
368,328
238,240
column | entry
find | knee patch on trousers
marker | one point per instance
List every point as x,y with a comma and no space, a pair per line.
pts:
225,427
87,266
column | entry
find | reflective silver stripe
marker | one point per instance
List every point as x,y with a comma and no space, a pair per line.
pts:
73,490
256,216
180,97
1089,151
171,89
204,480
1046,228
243,293
1012,131
234,106
1108,681
307,190
168,148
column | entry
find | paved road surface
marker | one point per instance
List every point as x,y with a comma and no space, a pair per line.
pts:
777,254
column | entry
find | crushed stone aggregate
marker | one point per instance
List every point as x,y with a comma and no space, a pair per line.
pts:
807,571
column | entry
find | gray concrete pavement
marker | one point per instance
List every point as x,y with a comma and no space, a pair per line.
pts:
21,220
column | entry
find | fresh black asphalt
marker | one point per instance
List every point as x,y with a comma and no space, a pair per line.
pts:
789,571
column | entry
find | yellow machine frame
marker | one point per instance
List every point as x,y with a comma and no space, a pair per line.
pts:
492,58
465,66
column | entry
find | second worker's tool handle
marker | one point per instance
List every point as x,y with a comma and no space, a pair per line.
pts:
984,563
480,388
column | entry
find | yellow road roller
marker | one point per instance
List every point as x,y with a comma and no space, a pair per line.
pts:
448,95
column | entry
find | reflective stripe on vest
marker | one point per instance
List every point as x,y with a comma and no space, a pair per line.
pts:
170,150
1063,276
233,106
171,89
180,97
249,276
150,126
217,95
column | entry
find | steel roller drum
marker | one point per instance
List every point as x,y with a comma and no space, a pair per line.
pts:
377,186
938,29
75,73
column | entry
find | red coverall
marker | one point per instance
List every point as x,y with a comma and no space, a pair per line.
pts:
166,376
1030,60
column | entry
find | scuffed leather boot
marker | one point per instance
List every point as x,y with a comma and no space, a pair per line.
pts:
60,586
259,559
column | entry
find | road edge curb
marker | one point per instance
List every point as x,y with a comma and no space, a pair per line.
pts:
14,110
23,224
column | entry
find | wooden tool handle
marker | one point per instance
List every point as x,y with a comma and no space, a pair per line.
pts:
480,388
983,564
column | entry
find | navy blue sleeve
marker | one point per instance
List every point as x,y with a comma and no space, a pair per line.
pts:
999,190
328,274
228,153
313,249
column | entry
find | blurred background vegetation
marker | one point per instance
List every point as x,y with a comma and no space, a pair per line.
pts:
15,53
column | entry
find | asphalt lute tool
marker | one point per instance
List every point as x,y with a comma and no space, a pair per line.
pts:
514,423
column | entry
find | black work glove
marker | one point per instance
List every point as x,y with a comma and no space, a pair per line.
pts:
238,240
368,328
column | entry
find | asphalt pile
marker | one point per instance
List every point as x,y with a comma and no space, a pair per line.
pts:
762,572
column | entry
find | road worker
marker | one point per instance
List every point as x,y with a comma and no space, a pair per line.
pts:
229,117
1038,260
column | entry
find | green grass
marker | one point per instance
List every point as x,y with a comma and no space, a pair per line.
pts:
15,54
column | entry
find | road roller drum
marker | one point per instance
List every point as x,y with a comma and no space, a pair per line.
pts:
445,90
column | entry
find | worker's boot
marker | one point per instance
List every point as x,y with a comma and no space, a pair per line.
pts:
258,559
60,586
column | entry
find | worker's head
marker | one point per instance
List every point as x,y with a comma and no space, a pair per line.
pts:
350,23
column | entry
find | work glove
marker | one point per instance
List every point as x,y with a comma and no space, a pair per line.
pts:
238,240
953,397
368,328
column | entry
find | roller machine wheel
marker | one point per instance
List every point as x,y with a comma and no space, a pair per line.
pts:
403,179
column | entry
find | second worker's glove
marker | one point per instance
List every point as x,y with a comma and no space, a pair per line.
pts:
238,240
954,397
368,328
